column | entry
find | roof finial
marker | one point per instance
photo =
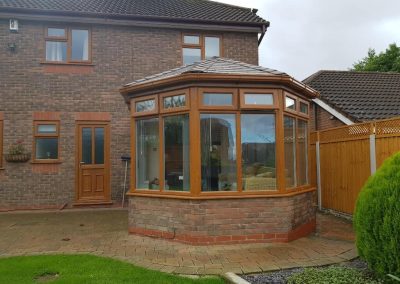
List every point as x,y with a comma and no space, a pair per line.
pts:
254,10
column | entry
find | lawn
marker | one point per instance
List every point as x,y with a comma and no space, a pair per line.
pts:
83,269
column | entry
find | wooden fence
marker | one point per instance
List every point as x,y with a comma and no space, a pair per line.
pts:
342,159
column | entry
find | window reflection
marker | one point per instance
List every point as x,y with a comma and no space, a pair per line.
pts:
176,153
218,152
290,151
258,151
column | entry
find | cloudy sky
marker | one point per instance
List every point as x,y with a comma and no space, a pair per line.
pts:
308,35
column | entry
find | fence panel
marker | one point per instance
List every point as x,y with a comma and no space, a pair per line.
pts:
345,162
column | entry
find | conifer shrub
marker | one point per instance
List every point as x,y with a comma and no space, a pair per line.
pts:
377,219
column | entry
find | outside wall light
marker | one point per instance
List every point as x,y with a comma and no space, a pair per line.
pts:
12,46
14,25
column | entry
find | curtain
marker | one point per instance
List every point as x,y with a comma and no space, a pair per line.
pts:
54,51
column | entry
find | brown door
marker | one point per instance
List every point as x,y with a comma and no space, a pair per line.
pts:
93,163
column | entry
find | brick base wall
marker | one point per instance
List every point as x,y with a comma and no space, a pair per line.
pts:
223,221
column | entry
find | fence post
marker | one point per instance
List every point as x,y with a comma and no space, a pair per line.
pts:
372,151
318,160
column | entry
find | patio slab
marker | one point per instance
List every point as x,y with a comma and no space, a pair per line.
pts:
104,233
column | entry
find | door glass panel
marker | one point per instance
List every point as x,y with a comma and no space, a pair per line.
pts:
87,145
147,154
290,151
258,151
218,152
99,145
176,152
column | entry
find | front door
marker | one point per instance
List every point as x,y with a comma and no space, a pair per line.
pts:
93,163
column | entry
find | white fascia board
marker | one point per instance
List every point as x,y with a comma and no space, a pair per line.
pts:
334,112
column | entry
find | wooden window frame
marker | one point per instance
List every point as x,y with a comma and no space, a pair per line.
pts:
201,44
68,39
142,99
306,115
160,190
184,92
274,93
36,123
296,101
232,91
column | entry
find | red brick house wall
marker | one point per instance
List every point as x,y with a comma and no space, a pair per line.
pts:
321,119
120,54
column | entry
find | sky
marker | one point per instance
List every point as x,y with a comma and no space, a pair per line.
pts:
309,35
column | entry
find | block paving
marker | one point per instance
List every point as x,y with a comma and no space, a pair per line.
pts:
103,232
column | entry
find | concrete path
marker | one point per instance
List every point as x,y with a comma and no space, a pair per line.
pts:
104,233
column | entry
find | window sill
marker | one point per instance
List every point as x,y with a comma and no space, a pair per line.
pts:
46,162
67,63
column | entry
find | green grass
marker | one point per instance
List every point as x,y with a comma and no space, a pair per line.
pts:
83,269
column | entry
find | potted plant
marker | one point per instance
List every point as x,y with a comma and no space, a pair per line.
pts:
17,153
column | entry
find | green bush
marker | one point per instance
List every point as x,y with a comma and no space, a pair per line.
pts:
330,275
377,219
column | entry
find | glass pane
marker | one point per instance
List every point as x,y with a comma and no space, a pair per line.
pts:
176,153
303,108
175,101
218,152
258,99
56,32
80,45
143,106
56,51
46,129
290,103
290,151
99,145
212,47
217,99
258,151
87,145
147,154
46,148
302,141
191,39
191,55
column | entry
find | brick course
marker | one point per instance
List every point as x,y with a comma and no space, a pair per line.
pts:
264,219
120,54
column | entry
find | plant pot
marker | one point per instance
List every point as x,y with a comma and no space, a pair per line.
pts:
17,158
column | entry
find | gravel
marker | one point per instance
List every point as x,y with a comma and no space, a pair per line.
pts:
280,276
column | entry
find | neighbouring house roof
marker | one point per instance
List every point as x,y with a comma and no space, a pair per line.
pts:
192,10
217,68
360,96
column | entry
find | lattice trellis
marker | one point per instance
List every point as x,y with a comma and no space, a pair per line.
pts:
387,127
355,131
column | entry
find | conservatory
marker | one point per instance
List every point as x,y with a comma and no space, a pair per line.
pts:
220,154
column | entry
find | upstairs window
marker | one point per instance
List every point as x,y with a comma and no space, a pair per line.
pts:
198,47
67,45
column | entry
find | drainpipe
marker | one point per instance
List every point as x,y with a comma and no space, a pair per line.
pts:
263,31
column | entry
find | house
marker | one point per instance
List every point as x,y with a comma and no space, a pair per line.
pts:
62,64
220,154
348,97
